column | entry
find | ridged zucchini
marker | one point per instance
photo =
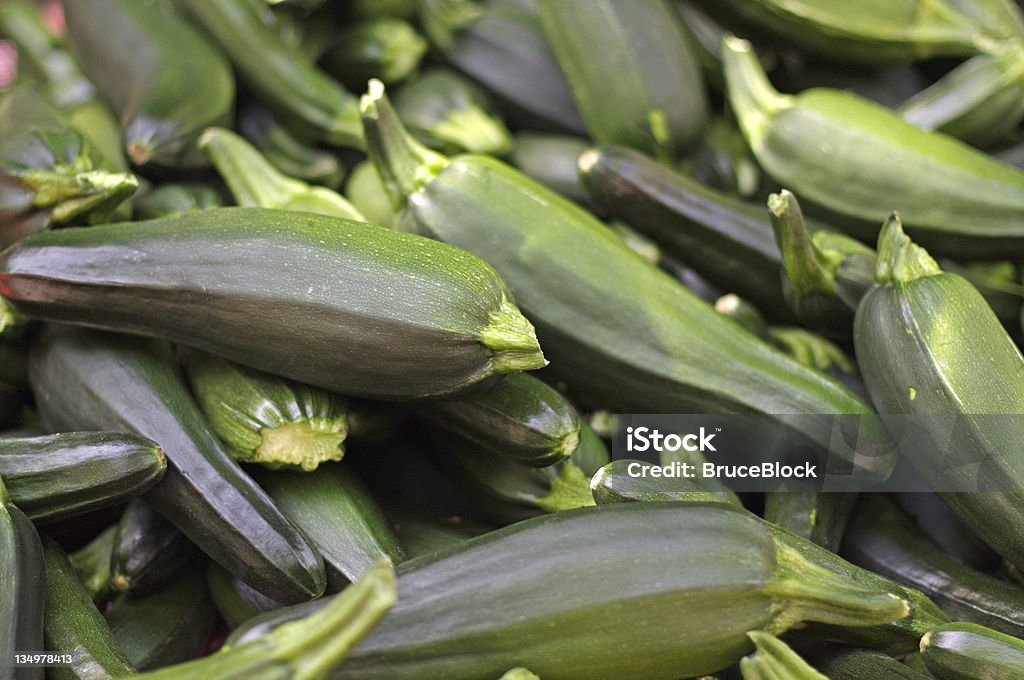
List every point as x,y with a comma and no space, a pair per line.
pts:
92,564
23,591
69,474
967,651
385,48
87,379
623,481
343,305
168,200
552,160
148,551
774,660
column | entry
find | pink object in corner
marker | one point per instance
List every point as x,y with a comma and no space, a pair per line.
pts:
8,64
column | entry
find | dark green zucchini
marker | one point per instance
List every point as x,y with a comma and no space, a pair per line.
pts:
819,517
69,474
366,193
278,72
422,533
521,418
235,601
74,627
774,660
862,664
166,627
630,481
346,306
288,150
92,564
87,379
336,512
622,334
552,160
929,344
23,592
148,551
168,200
132,51
385,48
945,530
884,540
723,161
967,651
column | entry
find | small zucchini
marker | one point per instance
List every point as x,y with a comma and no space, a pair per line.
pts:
862,664
357,309
148,551
656,99
168,200
92,564
819,517
967,651
774,660
132,51
629,481
366,193
552,160
386,48
87,379
288,150
23,592
64,475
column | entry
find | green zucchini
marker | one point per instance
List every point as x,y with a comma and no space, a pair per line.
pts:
277,72
423,534
519,673
265,419
912,331
774,660
336,512
884,540
386,48
450,113
69,474
256,183
935,520
74,627
148,551
166,627
656,100
168,200
92,564
621,333
812,350
724,162
956,200
818,517
706,38
521,418
629,481
87,379
862,664
235,602
366,193
639,244
967,651
357,309
501,45
290,152
552,160
23,592
132,51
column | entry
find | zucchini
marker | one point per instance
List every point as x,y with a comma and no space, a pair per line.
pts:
278,72
92,564
23,592
967,651
423,534
935,520
168,200
132,51
450,113
621,333
913,332
724,162
87,379
366,193
501,45
630,481
552,160
656,100
956,200
70,474
74,627
884,540
861,664
255,183
290,152
336,512
235,602
819,517
774,660
519,673
148,551
521,418
166,627
360,310
385,48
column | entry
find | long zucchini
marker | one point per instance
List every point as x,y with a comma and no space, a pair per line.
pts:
87,379
23,592
148,551
967,651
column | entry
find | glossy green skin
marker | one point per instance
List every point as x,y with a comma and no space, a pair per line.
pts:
859,664
279,73
70,474
625,61
167,627
818,517
614,484
931,335
336,512
148,551
75,627
92,564
881,538
235,602
341,305
132,51
169,200
87,379
552,160
22,594
966,651
521,418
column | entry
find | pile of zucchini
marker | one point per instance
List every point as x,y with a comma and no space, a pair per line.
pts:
316,317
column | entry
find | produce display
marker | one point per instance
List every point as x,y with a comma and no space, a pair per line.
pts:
512,339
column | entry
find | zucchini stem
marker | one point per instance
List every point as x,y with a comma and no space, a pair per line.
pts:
751,94
806,266
71,194
513,340
570,489
900,260
473,129
775,659
304,444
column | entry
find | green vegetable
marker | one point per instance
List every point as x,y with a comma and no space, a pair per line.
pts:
553,161
519,674
774,660
422,534
23,592
133,52
235,602
366,193
966,651
86,379
724,162
385,48
371,9
92,564
168,200
290,152
861,664
614,483
148,551
818,517
935,520
69,474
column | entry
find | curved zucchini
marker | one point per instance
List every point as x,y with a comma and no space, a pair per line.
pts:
343,305
773,659
632,71
290,152
168,200
366,193
148,551
521,418
861,664
620,332
132,51
23,592
912,332
624,481
967,651
92,564
87,379
69,474
552,160
819,517
385,48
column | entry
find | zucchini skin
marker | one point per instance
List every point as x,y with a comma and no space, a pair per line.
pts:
88,379
169,200
23,592
552,160
235,601
819,517
148,551
386,48
390,315
92,564
613,484
944,529
967,651
69,474
291,153
862,664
